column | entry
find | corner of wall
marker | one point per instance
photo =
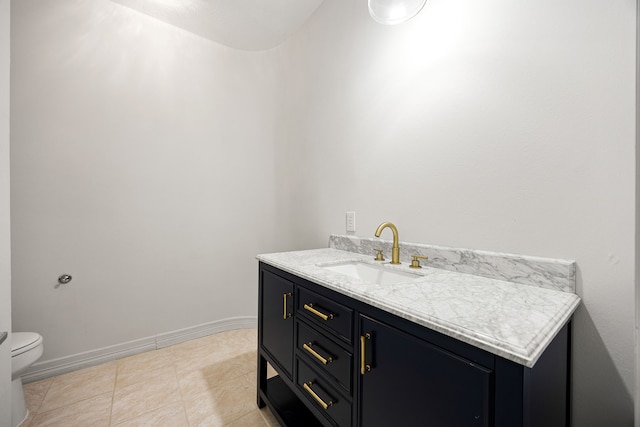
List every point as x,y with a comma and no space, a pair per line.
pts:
5,248
637,228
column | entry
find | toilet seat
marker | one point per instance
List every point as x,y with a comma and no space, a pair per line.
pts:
22,342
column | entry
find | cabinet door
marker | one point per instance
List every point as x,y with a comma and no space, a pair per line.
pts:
276,320
409,382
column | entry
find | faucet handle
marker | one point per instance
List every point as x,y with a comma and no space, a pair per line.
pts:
415,262
379,256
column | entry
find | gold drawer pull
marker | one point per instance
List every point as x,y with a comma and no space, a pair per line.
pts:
285,313
307,346
364,367
307,386
321,315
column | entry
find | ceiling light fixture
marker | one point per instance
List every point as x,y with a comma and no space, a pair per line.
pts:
392,12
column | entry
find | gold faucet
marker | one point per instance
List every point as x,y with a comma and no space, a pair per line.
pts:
395,252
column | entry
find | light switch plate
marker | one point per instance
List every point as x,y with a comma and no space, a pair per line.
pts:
351,222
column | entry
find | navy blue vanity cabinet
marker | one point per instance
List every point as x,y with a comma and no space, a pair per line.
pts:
343,363
276,344
405,381
324,358
276,321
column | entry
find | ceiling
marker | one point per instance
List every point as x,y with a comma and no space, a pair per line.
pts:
240,24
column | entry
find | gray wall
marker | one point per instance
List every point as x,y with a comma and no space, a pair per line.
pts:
497,125
143,165
5,255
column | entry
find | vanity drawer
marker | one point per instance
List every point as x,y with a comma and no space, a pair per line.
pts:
323,395
326,355
325,312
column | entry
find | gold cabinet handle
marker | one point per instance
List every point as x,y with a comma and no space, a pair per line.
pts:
325,405
309,307
364,367
285,313
307,346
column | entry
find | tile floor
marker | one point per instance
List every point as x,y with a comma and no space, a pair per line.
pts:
207,382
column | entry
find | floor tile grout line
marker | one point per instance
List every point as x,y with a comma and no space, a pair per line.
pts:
44,397
184,407
37,410
184,403
113,392
236,353
150,410
266,424
36,414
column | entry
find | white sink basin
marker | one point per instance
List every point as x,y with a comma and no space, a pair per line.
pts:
371,273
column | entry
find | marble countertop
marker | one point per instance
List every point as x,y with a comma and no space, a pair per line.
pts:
512,320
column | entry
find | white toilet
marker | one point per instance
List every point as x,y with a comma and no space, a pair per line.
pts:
26,348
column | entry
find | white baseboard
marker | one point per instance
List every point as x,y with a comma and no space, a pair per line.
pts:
62,365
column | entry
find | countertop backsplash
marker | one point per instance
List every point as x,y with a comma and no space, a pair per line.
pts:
548,273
